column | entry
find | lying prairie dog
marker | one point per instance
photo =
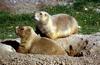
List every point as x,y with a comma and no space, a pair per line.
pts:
73,45
55,26
32,43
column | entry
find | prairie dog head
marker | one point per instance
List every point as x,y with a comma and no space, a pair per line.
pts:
24,31
42,16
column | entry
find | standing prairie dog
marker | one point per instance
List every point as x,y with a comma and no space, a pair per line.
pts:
55,26
32,43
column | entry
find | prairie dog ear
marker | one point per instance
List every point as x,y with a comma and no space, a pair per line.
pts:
45,14
30,29
19,29
22,29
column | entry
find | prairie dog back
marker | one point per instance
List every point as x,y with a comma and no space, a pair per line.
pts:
47,47
63,22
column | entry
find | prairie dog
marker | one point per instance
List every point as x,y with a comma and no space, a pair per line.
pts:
55,26
32,43
73,45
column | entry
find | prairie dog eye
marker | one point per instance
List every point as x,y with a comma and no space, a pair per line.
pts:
22,29
40,13
45,14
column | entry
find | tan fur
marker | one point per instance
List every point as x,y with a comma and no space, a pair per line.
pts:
55,26
32,43
73,45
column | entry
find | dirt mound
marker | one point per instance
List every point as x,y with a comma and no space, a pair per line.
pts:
91,54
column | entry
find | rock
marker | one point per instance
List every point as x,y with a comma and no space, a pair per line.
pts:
6,48
12,42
